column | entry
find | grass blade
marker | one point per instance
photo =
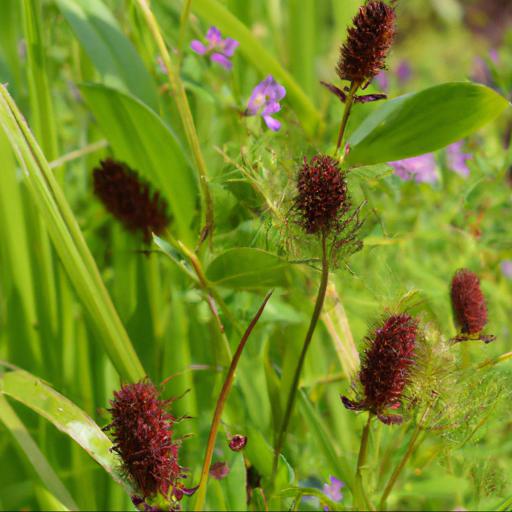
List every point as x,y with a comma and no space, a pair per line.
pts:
68,240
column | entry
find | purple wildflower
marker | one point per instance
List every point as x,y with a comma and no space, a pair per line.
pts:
382,81
264,101
333,490
506,268
219,49
421,169
457,159
219,470
403,72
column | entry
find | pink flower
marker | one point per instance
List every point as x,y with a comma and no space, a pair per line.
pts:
264,101
421,169
219,49
457,159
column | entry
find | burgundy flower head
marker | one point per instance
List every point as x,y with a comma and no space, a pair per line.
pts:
129,199
469,307
142,432
386,367
237,442
364,53
322,194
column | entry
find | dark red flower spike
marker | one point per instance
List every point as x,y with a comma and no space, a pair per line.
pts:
386,367
142,433
364,53
129,199
469,306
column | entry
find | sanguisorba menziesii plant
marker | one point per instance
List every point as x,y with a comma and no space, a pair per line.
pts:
184,93
142,431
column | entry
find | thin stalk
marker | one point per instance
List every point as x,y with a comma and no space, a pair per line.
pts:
396,473
217,415
497,360
73,155
307,341
346,114
185,13
185,113
361,461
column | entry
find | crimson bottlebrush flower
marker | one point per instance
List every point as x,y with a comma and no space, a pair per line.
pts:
237,442
322,194
386,367
129,198
364,53
142,433
469,306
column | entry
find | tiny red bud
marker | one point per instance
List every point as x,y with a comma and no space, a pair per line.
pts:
237,442
219,470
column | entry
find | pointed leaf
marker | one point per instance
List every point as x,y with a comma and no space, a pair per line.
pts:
418,123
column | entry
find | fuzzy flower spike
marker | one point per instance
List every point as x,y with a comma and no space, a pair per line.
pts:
323,206
264,102
386,367
129,199
142,432
469,307
364,53
220,50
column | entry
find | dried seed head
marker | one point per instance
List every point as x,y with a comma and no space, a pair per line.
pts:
386,366
364,53
142,433
468,302
322,194
129,199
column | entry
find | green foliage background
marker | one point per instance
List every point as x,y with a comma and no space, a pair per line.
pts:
84,72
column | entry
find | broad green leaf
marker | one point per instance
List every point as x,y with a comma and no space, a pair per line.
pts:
108,48
246,268
38,461
256,53
64,415
141,139
235,483
68,240
418,123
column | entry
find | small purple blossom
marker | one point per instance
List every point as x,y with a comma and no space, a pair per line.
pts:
457,159
333,490
506,268
421,169
219,49
264,101
219,470
403,72
382,81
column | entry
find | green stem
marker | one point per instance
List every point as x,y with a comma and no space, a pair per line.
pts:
309,335
360,494
185,12
396,473
346,114
497,360
185,113
201,493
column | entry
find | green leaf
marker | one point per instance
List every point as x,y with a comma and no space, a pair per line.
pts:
418,123
38,461
64,415
141,139
68,240
256,53
111,52
504,506
246,268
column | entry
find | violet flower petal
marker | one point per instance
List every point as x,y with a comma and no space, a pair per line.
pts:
198,47
272,123
506,268
230,45
222,60
271,108
214,36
